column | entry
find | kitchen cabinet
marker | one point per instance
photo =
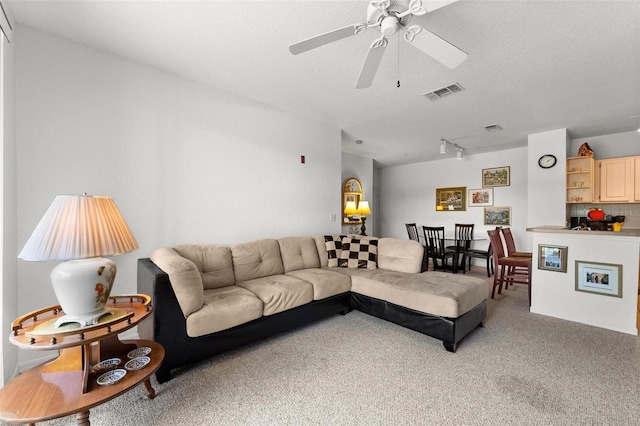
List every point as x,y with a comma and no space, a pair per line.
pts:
637,182
615,180
579,179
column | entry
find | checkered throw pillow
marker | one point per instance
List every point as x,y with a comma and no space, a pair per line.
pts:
333,243
359,253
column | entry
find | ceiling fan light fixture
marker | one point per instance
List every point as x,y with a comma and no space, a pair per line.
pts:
443,148
460,155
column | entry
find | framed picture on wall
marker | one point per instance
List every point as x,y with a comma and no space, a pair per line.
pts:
600,278
451,199
497,216
480,197
552,258
496,176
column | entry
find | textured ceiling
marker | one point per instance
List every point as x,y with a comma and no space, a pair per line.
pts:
533,66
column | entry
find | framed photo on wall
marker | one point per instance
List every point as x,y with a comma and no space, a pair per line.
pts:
480,197
497,216
600,278
552,258
451,199
496,176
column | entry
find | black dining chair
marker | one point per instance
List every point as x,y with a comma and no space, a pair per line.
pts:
412,230
487,255
434,239
463,237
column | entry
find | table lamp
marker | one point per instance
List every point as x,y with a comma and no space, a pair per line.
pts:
79,229
350,209
363,210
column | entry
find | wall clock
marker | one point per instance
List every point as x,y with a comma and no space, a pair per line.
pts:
547,161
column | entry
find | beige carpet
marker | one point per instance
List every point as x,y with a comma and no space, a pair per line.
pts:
521,368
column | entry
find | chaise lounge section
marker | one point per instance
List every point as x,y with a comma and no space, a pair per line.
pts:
210,298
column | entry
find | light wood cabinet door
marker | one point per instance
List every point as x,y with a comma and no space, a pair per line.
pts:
617,180
637,183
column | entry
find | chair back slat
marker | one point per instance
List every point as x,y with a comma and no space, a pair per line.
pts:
508,239
434,239
412,230
463,236
496,244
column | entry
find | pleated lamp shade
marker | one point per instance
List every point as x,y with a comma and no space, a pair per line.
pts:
363,208
79,227
350,208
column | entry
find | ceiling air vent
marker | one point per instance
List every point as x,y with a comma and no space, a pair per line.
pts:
493,128
445,91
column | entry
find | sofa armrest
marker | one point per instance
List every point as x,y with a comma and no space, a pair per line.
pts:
184,276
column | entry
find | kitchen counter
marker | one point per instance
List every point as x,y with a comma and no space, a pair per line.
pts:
554,293
626,232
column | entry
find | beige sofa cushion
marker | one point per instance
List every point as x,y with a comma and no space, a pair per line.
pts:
421,292
214,263
256,259
224,308
325,282
298,253
400,255
279,292
184,276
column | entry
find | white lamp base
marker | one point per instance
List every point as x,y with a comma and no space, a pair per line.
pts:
82,288
82,320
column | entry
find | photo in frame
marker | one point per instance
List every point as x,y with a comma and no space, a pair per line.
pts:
497,216
600,278
451,199
552,258
480,197
496,176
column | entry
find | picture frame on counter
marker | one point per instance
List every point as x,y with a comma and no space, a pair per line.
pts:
599,278
496,176
497,216
552,258
480,197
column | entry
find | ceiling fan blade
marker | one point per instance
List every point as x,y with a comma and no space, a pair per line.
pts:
434,46
371,63
431,5
326,38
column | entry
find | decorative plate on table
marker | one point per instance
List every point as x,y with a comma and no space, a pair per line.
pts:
111,377
145,350
107,364
137,363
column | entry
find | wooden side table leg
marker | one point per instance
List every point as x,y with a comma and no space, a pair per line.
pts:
150,392
82,418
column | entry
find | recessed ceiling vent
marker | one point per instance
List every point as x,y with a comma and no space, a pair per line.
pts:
445,91
493,128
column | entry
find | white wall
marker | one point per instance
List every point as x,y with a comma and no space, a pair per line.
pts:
361,168
184,162
553,293
615,145
8,287
409,192
546,187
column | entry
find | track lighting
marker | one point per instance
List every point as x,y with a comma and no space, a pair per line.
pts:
443,148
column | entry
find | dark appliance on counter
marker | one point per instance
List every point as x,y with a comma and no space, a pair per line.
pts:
596,225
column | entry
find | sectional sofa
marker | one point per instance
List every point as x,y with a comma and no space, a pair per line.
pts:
210,298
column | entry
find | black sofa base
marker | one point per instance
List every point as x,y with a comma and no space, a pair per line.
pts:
449,330
168,326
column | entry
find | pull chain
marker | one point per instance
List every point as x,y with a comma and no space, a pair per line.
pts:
398,84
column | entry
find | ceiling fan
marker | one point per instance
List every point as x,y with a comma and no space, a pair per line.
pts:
389,17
